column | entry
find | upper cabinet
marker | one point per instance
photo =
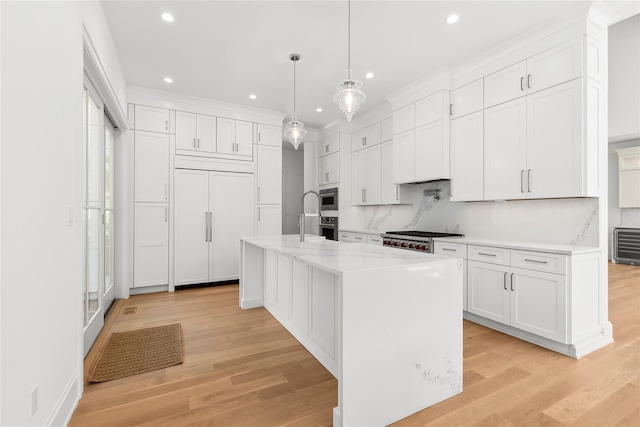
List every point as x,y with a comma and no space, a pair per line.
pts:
329,160
195,132
235,137
544,70
466,100
269,135
151,119
366,138
421,140
329,145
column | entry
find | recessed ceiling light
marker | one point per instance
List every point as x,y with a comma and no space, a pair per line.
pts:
369,75
452,19
319,109
168,80
252,96
167,17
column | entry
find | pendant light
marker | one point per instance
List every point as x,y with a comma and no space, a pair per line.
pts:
294,130
349,95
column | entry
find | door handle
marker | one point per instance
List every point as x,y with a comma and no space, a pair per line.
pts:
258,214
397,192
505,281
166,191
166,214
194,143
166,125
522,180
451,109
198,143
364,141
206,226
258,193
362,195
326,174
529,81
512,281
529,180
211,226
522,84
326,148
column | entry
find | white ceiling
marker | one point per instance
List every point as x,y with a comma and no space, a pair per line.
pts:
226,50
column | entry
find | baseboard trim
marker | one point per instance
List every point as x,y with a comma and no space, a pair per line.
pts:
251,303
67,404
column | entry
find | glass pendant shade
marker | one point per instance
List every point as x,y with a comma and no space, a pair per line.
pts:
295,131
349,96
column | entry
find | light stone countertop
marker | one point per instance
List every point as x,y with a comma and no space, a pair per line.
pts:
528,246
341,257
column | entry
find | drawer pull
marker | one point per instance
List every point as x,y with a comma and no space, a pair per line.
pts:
512,281
449,249
505,280
482,253
535,260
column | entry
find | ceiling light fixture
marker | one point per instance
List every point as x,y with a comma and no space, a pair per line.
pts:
167,17
349,95
168,80
452,19
294,130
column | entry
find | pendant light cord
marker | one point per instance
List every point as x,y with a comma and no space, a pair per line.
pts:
294,90
349,40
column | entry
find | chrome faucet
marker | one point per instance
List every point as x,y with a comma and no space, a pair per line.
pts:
304,215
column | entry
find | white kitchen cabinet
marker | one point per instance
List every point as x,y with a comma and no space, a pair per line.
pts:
390,193
505,85
151,244
421,153
195,132
505,151
386,130
404,160
300,296
269,135
322,328
365,176
283,292
467,166
348,236
457,250
151,119
554,66
234,137
556,156
151,172
329,145
213,209
329,169
269,174
466,99
269,220
529,299
373,239
629,177
366,138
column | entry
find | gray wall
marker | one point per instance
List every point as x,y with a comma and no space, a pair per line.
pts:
292,187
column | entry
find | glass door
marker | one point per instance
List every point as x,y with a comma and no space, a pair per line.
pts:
109,272
93,159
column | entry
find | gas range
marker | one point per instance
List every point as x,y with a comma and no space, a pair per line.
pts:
421,241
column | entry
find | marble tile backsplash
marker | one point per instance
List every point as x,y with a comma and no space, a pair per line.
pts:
561,221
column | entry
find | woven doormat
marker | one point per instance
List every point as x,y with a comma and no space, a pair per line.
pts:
136,352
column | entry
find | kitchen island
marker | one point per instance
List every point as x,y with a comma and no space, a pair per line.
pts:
387,323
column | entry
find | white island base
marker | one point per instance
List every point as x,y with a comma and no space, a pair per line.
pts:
386,323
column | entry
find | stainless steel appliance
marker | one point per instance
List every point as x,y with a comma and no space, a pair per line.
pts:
329,227
329,199
421,241
626,245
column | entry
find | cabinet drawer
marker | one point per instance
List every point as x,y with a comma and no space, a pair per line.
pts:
489,254
366,137
374,240
450,249
540,261
359,238
329,145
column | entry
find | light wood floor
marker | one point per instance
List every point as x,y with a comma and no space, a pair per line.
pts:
243,368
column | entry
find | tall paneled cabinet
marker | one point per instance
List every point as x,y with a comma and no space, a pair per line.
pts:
151,197
201,181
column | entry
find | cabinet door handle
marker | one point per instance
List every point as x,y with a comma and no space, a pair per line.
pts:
206,226
522,180
451,109
166,214
365,195
326,176
166,191
194,143
258,214
258,196
364,141
198,143
512,281
326,148
536,261
482,253
529,81
397,192
211,226
448,249
505,281
522,83
259,136
166,125
362,195
529,180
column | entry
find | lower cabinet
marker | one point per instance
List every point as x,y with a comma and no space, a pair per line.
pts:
304,296
528,299
212,211
151,245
